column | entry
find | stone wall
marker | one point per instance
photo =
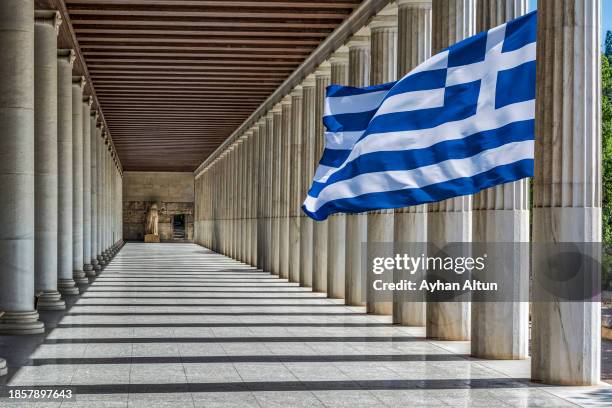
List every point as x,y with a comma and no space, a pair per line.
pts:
173,193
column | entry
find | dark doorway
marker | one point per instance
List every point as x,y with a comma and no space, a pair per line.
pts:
178,226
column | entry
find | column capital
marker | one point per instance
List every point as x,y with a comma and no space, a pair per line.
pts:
79,80
297,91
309,81
340,56
67,54
286,100
88,100
277,108
414,3
361,39
323,70
94,114
48,17
386,18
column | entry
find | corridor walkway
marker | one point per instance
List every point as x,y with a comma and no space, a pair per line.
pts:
178,325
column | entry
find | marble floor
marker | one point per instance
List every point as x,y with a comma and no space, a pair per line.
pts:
176,325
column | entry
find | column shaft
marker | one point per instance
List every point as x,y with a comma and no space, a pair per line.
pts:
383,68
566,339
77,181
295,198
17,168
320,228
45,160
450,221
357,224
307,167
500,328
94,192
336,248
285,176
87,266
65,281
410,223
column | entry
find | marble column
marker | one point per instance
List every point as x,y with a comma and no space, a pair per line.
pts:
17,169
269,189
47,25
500,328
566,338
320,228
450,221
77,180
277,113
295,198
383,68
65,281
100,198
307,173
87,129
262,132
96,133
357,224
336,249
410,223
254,193
285,176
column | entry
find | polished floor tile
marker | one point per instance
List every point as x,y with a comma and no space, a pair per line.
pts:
175,325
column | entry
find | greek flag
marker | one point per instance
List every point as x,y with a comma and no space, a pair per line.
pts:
460,122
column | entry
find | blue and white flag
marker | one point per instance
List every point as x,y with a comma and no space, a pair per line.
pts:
460,122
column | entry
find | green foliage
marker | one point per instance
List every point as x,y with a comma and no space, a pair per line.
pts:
608,44
606,106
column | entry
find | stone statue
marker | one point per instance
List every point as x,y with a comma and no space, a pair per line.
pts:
152,220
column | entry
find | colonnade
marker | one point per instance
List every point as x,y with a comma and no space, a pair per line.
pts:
248,196
60,207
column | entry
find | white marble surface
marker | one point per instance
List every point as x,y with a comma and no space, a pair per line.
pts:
177,325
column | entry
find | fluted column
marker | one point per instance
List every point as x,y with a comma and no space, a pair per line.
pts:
87,129
65,281
383,69
269,189
357,224
410,223
295,199
307,170
500,327
95,135
320,228
276,194
565,335
254,192
17,168
77,180
336,249
285,176
45,160
262,132
450,221
100,198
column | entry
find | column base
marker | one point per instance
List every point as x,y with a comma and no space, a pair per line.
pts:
79,277
67,287
101,261
96,266
14,323
89,271
51,300
3,369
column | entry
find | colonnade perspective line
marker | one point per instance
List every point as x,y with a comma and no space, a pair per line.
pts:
60,206
269,167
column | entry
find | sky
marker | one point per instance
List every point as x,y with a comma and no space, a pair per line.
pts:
606,16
